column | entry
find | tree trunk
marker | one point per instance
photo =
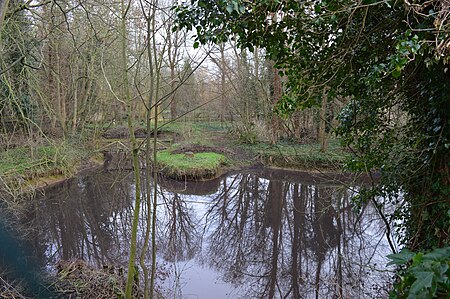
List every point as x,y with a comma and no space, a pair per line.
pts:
134,153
275,96
60,95
322,134
172,51
75,103
173,100
51,88
223,96
3,8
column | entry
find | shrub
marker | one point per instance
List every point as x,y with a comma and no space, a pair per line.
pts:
422,276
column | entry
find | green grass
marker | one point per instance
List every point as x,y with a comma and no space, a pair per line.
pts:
302,156
190,166
21,159
199,133
31,161
283,154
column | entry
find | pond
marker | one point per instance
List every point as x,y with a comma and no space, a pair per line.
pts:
260,233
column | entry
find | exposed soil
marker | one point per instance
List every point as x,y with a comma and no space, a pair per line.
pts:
226,145
197,148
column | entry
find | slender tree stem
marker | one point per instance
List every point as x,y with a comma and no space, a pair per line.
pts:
135,158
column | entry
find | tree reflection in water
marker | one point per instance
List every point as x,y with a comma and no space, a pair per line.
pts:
265,237
85,217
179,238
281,239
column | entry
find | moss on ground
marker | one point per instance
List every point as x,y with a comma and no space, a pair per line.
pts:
189,165
284,154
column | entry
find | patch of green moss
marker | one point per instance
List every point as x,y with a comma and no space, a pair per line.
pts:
192,166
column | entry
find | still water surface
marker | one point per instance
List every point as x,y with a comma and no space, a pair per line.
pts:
256,234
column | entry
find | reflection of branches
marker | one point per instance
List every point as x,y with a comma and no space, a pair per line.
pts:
77,222
273,237
234,216
246,237
284,240
181,241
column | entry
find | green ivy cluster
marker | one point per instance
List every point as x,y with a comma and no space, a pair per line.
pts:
426,277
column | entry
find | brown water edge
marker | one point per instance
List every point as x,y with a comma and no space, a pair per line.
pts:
115,161
211,185
39,184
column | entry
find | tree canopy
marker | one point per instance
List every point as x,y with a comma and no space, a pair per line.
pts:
388,61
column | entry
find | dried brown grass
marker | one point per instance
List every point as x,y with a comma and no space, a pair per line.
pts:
76,279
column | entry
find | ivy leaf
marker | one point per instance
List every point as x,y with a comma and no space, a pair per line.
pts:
400,258
317,8
236,6
230,8
417,259
196,44
396,73
423,281
437,254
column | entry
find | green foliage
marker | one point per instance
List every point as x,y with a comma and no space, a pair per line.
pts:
381,56
310,49
30,162
300,156
406,48
409,153
190,165
425,276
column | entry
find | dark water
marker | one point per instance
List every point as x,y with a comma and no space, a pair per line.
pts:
260,234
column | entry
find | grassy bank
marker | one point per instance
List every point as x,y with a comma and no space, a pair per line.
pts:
284,154
211,146
39,164
190,165
299,156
